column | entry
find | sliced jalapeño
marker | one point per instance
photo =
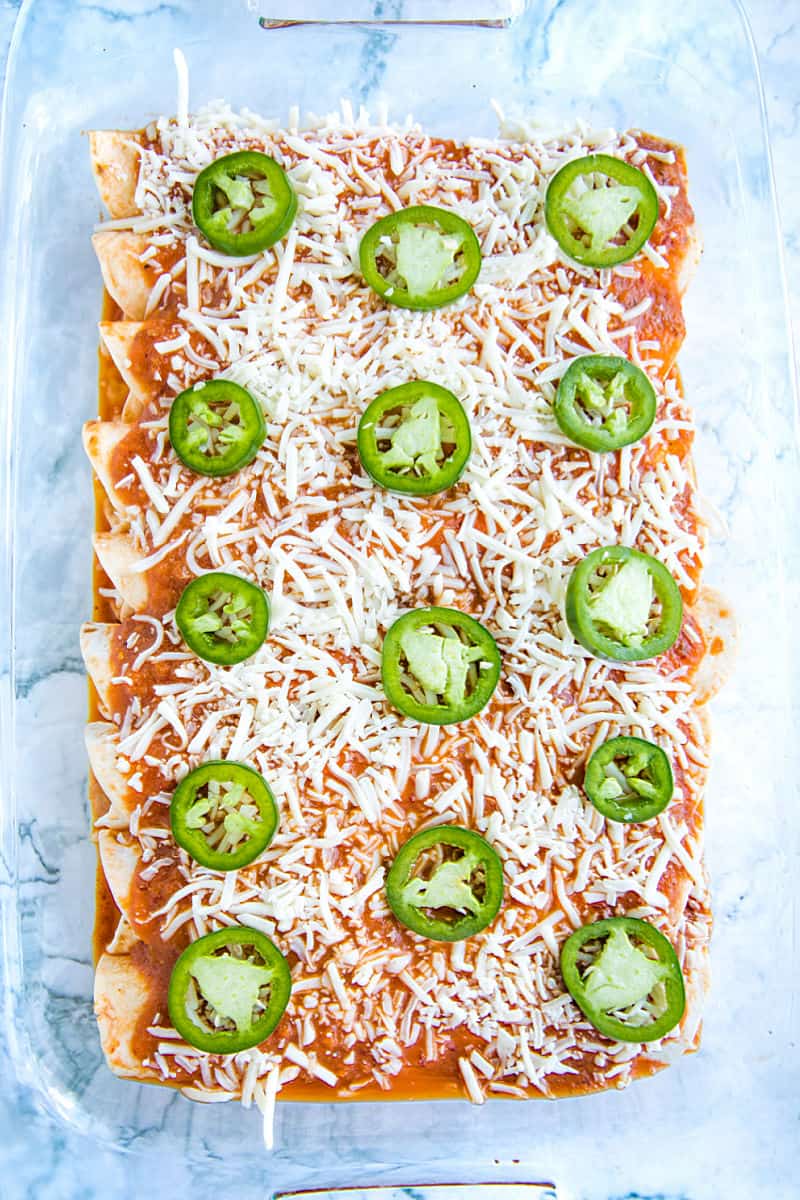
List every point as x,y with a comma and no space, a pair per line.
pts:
222,618
228,990
604,402
243,203
223,814
446,883
629,779
216,428
625,977
439,665
601,210
414,439
421,257
623,605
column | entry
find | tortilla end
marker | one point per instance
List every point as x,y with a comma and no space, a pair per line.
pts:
715,616
119,859
691,259
121,1001
117,556
102,750
127,279
116,158
124,938
96,647
118,338
100,440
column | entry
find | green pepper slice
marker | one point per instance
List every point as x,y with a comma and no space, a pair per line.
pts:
623,605
243,203
222,617
625,978
604,402
216,428
439,666
601,210
228,990
414,439
223,814
446,883
421,257
629,779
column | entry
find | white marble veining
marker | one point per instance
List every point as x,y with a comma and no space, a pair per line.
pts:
112,1141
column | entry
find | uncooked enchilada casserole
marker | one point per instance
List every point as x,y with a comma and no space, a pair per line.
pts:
401,650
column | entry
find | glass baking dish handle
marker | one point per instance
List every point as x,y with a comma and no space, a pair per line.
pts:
436,1191
489,14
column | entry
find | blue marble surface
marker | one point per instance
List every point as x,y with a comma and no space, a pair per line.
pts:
41,1159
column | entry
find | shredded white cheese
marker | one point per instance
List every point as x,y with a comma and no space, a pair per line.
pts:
342,559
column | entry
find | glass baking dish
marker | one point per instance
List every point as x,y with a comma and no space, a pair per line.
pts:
721,1122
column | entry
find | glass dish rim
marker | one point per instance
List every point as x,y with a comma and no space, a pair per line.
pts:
16,1032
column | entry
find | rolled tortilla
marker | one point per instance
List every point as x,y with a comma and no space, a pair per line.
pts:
100,440
118,556
123,997
102,747
691,259
120,855
716,618
96,647
133,349
128,280
124,939
115,158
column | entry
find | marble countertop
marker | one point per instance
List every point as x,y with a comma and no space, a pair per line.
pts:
40,1160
